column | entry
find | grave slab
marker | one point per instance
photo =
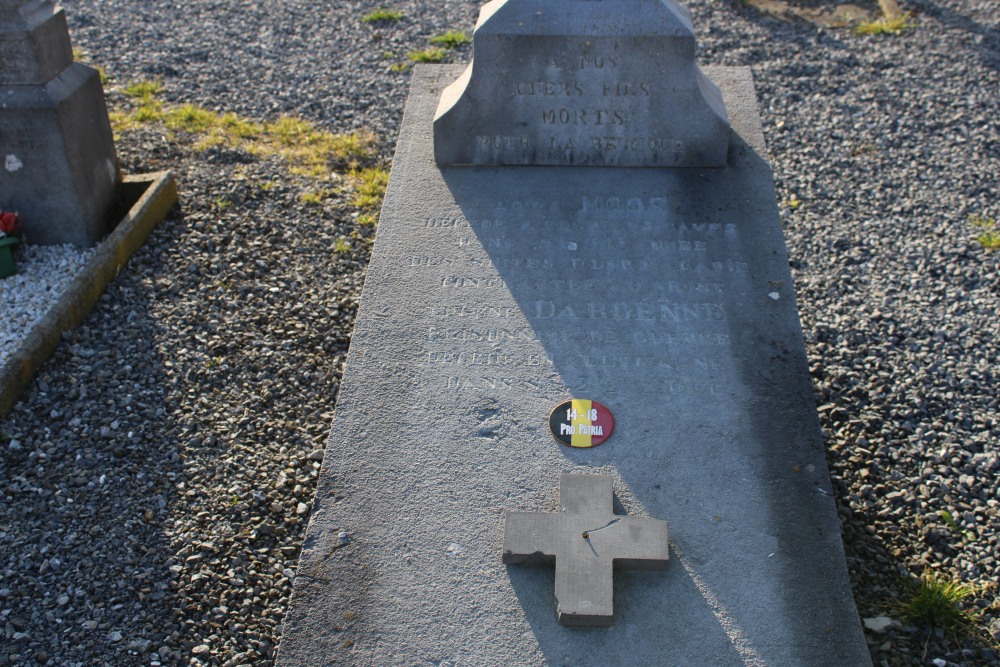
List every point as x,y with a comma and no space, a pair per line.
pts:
495,294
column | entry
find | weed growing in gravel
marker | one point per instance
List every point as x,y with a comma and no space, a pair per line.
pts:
369,187
144,91
191,118
451,39
316,197
883,26
937,601
387,15
432,55
342,245
309,150
313,152
949,521
990,235
793,201
81,56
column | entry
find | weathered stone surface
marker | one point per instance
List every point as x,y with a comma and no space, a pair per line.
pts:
58,167
34,43
493,295
582,82
585,540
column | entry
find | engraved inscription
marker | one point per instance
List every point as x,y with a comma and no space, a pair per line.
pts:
501,143
547,309
549,88
565,116
639,311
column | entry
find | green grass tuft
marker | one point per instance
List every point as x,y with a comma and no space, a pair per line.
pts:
883,26
387,15
451,39
369,187
143,90
938,602
990,234
431,55
317,197
191,118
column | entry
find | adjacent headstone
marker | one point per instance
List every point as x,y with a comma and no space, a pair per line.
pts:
585,540
496,293
58,167
609,82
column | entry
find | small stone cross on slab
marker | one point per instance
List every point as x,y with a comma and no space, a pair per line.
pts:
586,541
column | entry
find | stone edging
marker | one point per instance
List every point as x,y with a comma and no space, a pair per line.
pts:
159,195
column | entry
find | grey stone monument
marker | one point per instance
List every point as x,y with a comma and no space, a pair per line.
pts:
495,294
58,167
623,89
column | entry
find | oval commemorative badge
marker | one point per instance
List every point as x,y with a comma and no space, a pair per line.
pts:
581,423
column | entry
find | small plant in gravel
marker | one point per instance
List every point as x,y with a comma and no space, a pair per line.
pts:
191,118
382,15
369,187
342,245
316,197
146,106
451,39
81,56
309,150
314,152
143,90
432,55
939,602
989,233
883,26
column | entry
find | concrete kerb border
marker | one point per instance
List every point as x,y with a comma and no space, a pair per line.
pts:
159,196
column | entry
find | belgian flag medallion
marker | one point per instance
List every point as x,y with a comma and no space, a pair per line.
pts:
581,423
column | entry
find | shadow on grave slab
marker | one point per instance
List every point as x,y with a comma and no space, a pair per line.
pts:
665,294
640,596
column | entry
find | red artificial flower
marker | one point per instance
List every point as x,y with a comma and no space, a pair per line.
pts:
10,223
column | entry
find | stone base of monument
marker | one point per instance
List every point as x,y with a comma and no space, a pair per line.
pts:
144,201
59,167
496,294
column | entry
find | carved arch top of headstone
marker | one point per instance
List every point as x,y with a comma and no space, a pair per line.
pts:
582,82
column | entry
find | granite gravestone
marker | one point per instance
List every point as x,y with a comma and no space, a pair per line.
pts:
496,293
58,167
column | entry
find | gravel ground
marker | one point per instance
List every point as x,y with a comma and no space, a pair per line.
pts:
43,272
156,478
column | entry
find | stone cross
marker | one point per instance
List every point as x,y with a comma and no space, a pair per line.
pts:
585,540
